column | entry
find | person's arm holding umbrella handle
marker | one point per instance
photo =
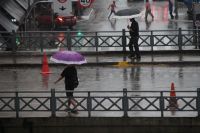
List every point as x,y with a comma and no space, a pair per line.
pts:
58,79
129,28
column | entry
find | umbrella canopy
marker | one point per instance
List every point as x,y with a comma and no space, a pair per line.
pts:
127,13
68,57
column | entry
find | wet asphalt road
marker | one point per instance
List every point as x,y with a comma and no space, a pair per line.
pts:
111,78
107,78
99,18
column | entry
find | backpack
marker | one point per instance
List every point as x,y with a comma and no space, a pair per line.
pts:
76,83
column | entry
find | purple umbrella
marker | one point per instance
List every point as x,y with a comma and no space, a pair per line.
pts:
68,57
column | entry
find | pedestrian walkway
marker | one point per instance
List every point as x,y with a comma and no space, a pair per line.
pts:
106,58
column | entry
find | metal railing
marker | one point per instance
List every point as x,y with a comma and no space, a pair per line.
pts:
92,103
100,40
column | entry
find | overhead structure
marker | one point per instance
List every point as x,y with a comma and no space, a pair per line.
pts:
7,24
12,13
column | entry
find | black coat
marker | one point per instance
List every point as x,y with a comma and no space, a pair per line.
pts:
134,29
71,79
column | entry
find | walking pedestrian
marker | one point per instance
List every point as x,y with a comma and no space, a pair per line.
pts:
134,33
71,82
171,9
148,10
112,9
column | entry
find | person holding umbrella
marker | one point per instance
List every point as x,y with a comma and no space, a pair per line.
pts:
70,58
134,33
71,82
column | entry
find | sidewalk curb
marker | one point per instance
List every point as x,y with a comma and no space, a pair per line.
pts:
172,63
38,53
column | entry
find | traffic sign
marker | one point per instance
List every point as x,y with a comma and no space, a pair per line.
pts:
85,3
62,7
62,1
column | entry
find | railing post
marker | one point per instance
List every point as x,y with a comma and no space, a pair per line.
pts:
96,41
161,103
123,40
53,103
13,41
69,40
41,43
17,106
180,40
125,102
89,104
151,41
195,38
198,38
198,101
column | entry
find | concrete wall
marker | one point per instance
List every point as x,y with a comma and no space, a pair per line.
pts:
100,125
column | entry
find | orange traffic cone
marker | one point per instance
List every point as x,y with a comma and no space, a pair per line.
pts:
45,66
172,92
173,100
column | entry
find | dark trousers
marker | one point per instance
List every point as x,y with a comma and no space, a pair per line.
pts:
171,10
111,12
134,42
147,12
171,14
69,94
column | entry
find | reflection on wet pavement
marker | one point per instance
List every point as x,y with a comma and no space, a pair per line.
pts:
149,77
99,20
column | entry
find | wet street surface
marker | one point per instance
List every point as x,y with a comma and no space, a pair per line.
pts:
34,59
99,18
111,78
107,78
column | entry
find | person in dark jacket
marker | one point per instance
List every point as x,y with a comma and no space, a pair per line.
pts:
71,82
134,33
171,9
